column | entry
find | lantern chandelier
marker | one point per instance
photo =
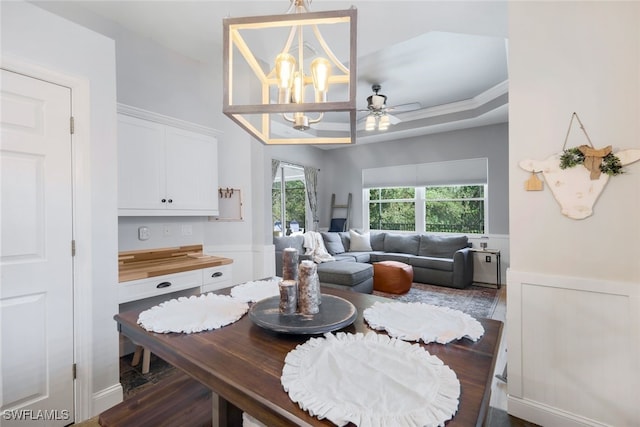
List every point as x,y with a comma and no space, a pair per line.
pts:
303,93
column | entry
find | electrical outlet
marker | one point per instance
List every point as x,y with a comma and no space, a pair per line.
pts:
143,233
166,230
187,230
487,258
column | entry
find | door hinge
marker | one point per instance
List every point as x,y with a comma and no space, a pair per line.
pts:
73,248
72,125
75,371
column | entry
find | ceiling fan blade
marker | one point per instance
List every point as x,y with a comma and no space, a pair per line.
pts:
393,119
403,108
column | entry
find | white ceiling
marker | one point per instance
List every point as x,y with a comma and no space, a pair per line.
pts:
450,56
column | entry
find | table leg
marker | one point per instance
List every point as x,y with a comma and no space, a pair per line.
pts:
225,413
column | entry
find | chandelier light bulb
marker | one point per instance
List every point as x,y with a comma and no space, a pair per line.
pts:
285,68
320,72
370,124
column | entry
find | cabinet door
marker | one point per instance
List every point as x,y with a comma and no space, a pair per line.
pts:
141,164
191,172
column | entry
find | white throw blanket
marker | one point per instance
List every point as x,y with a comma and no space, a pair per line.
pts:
314,246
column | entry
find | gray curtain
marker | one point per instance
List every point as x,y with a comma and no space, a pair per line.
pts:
311,183
275,164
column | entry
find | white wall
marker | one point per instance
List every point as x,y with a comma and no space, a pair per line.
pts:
343,171
44,43
573,288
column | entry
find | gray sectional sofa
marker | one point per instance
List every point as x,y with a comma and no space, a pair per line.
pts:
436,259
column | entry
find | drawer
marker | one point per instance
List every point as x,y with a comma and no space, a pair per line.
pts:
214,278
145,288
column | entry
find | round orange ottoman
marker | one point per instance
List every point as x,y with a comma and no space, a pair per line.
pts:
393,277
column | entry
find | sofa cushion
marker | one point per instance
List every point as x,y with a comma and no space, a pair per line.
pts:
344,273
377,240
359,242
443,264
441,246
402,243
333,243
390,256
346,241
283,242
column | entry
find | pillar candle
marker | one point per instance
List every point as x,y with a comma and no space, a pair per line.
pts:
288,296
308,288
290,264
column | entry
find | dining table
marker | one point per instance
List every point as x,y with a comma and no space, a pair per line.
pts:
242,364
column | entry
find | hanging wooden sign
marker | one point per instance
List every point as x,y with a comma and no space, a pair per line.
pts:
577,176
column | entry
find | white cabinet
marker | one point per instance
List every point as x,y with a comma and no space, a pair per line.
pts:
165,170
135,290
215,278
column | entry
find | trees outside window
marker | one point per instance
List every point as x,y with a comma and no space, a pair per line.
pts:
444,209
455,209
392,209
288,190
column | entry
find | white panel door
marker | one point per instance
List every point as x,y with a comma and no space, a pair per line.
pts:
36,288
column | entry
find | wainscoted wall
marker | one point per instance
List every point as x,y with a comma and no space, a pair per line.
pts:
578,362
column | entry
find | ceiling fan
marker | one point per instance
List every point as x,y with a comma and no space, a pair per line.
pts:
378,117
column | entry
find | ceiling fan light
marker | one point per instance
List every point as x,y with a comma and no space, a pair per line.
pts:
384,123
370,123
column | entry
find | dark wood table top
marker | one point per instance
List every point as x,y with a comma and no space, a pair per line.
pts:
243,363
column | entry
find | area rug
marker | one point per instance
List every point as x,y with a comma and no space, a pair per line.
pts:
476,301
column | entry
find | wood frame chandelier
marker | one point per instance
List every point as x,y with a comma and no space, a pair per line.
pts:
284,84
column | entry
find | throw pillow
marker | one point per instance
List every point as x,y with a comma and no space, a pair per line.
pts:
359,242
333,243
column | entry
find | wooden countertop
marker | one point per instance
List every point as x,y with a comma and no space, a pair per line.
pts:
142,264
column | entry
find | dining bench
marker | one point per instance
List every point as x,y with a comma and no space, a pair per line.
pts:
175,401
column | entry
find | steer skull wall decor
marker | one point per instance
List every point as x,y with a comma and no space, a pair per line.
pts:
574,188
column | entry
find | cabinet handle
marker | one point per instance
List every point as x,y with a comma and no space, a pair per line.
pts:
164,200
217,274
170,200
163,285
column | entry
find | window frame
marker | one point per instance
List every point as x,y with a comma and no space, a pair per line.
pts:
420,203
282,179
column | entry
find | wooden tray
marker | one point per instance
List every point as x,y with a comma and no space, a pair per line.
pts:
335,313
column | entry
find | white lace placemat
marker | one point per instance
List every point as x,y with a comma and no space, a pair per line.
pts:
193,314
414,321
256,290
370,380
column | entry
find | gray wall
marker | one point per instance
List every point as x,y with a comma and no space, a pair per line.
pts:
342,168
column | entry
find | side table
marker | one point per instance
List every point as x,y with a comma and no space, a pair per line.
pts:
489,252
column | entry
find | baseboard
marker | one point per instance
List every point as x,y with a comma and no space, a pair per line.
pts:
107,398
543,415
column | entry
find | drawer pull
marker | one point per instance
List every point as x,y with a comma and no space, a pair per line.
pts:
163,285
217,274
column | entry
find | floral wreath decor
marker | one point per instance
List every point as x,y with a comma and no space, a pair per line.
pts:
596,160
609,163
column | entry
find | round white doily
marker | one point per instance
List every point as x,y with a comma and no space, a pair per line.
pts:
257,290
415,321
370,380
193,314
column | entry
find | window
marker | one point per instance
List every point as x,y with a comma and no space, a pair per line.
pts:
442,208
455,209
392,209
288,190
